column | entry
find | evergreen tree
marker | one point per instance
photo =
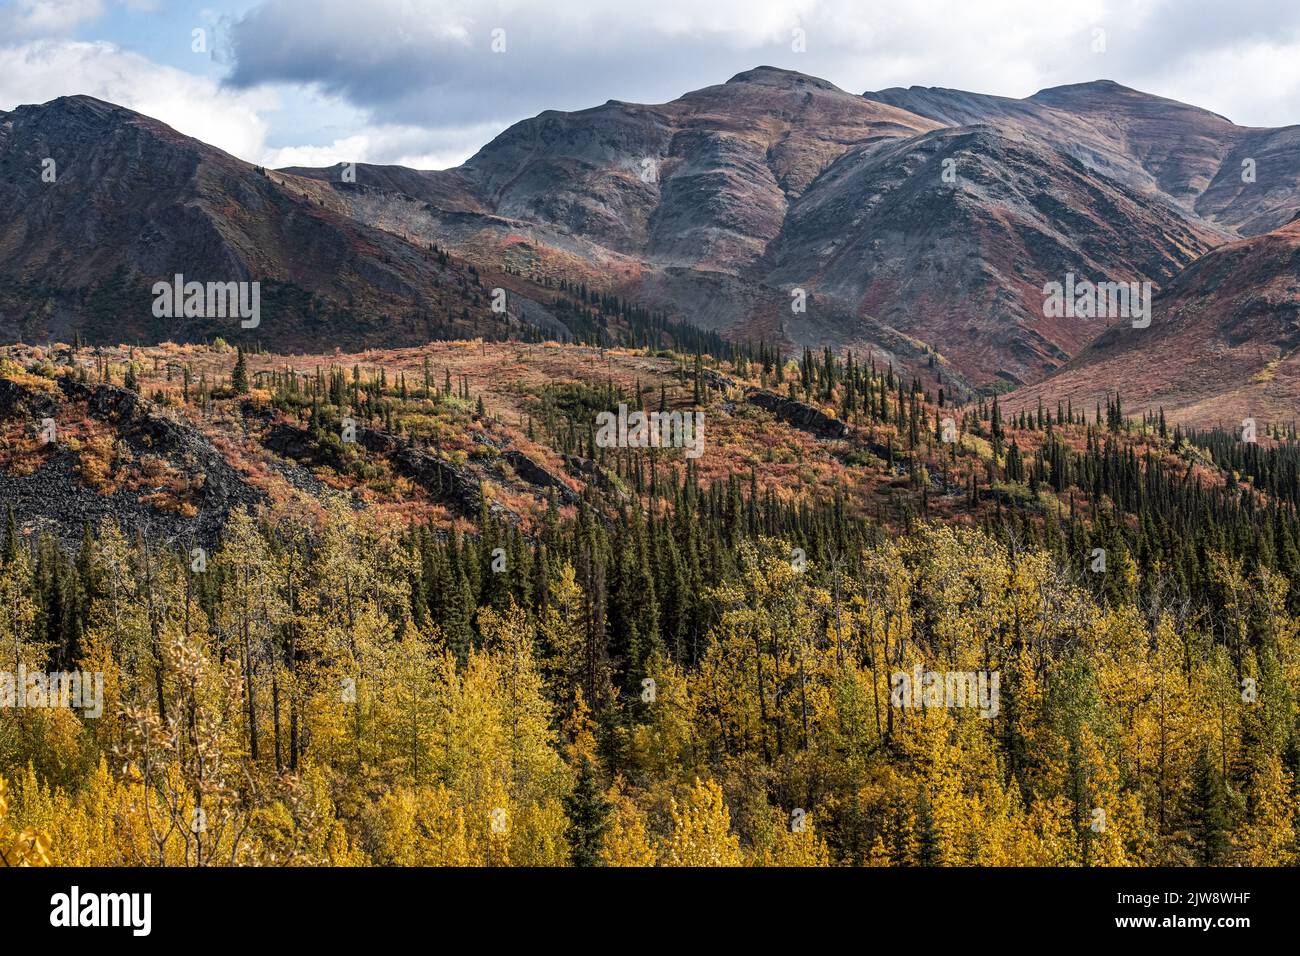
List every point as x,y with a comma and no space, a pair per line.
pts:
588,812
239,377
1208,809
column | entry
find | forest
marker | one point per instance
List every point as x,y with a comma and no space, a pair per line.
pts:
700,672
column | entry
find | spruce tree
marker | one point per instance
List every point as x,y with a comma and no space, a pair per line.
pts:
239,377
927,836
588,812
1208,822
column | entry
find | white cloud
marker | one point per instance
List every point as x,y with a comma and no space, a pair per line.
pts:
1230,82
32,18
415,81
429,62
411,146
42,70
234,120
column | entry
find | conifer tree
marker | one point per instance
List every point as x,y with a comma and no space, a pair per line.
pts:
239,377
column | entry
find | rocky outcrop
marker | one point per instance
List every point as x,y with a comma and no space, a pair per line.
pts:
593,474
454,485
144,427
533,473
54,499
799,414
18,401
457,486
381,443
717,380
290,441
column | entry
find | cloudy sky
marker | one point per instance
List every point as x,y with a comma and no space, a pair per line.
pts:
418,82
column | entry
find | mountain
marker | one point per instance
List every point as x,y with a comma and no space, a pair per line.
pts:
962,265
673,205
1223,344
724,202
919,225
133,202
1183,154
702,182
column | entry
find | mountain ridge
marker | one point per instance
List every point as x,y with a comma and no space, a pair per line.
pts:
917,224
130,202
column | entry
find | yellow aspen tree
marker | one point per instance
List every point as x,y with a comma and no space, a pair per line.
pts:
1051,839
627,841
792,840
443,840
1269,838
878,855
537,778
25,847
253,609
1110,824
389,827
701,834
664,747
87,833
408,707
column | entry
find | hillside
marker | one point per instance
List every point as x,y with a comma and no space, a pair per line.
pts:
1223,345
132,203
412,607
720,203
1187,156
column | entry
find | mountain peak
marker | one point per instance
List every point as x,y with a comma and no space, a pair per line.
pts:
776,76
78,102
1103,93
1092,88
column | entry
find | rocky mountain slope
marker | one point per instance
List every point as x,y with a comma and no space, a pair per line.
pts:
673,205
1188,156
724,202
962,264
97,203
919,225
1223,345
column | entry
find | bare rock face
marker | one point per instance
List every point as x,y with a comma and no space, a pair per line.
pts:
594,475
458,485
454,484
535,474
19,402
382,443
289,441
